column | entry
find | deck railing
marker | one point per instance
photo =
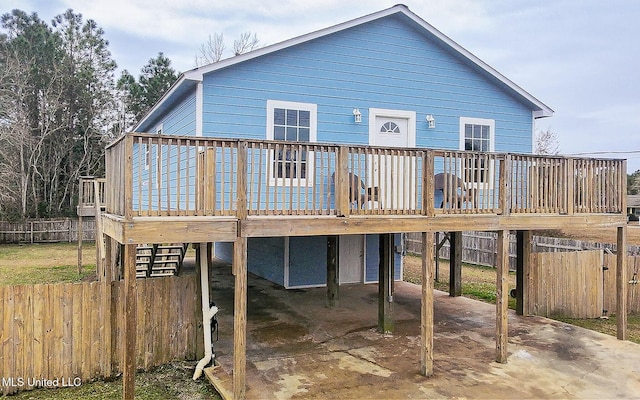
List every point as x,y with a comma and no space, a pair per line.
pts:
156,175
87,195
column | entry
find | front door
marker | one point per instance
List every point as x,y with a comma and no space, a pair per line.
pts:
390,173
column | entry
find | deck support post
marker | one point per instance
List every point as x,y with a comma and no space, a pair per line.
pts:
426,309
455,264
523,260
385,284
621,283
240,318
502,295
130,322
106,304
333,267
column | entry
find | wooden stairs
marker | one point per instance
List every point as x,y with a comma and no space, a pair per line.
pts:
159,260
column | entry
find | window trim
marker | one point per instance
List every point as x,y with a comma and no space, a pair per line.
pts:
491,123
313,124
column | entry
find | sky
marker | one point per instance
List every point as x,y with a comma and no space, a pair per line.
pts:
579,57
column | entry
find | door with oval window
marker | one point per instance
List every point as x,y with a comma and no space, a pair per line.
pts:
392,172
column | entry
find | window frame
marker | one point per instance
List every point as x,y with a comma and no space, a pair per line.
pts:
488,182
312,108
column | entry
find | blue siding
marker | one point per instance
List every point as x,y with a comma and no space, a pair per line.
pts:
372,258
383,64
181,120
265,257
308,261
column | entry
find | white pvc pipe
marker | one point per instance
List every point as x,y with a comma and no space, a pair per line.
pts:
207,313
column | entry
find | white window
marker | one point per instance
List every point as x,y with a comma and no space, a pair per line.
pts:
291,122
477,134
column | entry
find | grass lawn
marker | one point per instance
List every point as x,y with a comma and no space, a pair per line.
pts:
45,263
479,283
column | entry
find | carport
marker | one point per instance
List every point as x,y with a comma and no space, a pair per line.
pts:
297,347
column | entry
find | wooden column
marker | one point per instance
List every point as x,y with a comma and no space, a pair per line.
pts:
385,284
199,348
333,284
426,310
502,296
130,322
621,283
240,318
106,304
99,237
455,264
523,251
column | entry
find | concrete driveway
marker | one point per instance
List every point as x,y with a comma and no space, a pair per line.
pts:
297,348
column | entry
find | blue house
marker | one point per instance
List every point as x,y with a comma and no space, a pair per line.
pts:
386,79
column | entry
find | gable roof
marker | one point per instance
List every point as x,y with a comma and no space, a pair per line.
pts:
189,79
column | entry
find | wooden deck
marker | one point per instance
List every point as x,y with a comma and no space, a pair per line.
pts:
222,189
169,189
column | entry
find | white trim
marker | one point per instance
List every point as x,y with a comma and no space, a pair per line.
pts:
403,114
313,137
199,108
488,183
479,121
159,129
286,262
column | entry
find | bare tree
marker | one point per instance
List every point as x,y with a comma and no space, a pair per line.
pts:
546,143
213,50
245,44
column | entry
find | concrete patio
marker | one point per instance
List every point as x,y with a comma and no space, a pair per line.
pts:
299,348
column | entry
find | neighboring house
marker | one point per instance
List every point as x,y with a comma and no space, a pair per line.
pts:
633,205
386,79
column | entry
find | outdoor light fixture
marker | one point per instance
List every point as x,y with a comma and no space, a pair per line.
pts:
357,115
431,121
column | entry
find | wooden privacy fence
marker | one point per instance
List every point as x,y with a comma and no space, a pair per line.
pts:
633,289
62,331
479,248
566,284
46,230
574,284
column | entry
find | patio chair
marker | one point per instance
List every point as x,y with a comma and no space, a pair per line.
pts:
357,197
457,193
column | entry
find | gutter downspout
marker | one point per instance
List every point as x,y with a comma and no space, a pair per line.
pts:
207,313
